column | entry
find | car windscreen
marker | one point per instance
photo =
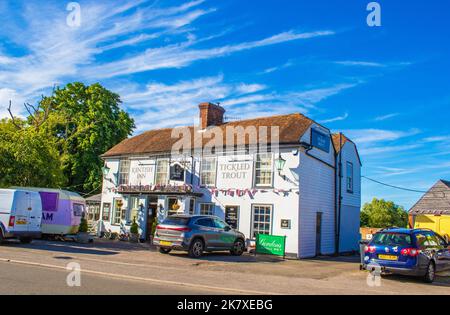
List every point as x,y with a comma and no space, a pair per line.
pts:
392,239
176,221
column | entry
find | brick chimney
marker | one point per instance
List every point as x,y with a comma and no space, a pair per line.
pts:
210,115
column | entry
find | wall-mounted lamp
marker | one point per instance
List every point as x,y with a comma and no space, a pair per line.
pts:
105,170
280,163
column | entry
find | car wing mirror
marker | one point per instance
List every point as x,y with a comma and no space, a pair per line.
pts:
227,228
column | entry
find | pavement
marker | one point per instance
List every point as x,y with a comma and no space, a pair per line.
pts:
123,268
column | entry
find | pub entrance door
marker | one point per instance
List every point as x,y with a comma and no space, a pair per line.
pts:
152,211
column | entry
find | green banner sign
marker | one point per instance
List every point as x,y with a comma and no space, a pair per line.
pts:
270,244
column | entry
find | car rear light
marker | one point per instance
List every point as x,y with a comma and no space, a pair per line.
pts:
413,252
12,219
178,229
370,249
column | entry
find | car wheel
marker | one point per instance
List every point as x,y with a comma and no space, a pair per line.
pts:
25,240
1,237
196,249
238,248
163,250
431,273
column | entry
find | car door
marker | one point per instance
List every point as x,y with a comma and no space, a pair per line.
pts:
225,234
443,254
208,231
436,249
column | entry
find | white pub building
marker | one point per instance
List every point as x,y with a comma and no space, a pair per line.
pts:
284,175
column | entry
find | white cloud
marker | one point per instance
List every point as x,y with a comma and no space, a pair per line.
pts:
56,53
182,55
370,136
334,119
386,117
176,104
360,63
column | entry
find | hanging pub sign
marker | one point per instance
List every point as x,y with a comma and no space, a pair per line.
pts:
320,140
177,172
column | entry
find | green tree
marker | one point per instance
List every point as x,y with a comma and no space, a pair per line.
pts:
382,214
85,122
27,158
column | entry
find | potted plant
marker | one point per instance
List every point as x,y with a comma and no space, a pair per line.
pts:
134,232
83,235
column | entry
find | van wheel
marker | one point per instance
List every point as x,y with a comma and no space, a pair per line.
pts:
25,240
1,237
196,249
431,273
238,248
163,250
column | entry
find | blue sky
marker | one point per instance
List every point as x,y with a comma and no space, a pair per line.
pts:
386,87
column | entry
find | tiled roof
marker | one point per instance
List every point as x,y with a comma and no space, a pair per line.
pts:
338,145
291,128
435,201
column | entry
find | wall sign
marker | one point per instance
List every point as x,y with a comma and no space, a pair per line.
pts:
286,224
320,140
177,172
232,216
270,245
141,172
236,173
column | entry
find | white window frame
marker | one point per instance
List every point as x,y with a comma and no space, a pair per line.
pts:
204,204
252,227
350,176
121,212
213,172
160,173
124,175
265,169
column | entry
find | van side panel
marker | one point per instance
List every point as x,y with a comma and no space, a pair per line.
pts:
6,200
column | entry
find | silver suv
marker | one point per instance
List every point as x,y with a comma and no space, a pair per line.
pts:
197,234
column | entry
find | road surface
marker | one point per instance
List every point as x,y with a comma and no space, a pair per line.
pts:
123,268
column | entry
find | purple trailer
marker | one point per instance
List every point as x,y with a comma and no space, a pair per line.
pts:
61,211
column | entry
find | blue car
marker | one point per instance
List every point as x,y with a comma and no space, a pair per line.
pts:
415,252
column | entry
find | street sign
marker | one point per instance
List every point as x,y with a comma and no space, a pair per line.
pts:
270,245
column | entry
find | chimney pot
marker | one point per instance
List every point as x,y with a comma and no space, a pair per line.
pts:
211,115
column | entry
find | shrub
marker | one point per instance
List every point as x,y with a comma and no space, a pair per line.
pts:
134,227
83,228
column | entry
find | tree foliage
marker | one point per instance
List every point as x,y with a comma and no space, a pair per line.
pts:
382,214
61,142
28,158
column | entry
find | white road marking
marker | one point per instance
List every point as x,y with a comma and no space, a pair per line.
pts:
126,277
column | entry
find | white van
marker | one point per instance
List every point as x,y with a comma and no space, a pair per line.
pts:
20,214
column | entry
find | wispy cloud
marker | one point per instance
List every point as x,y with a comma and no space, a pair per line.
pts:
241,100
277,68
183,54
370,136
360,63
386,117
145,36
334,119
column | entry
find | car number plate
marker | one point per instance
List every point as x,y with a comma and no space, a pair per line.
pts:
21,222
165,243
388,257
